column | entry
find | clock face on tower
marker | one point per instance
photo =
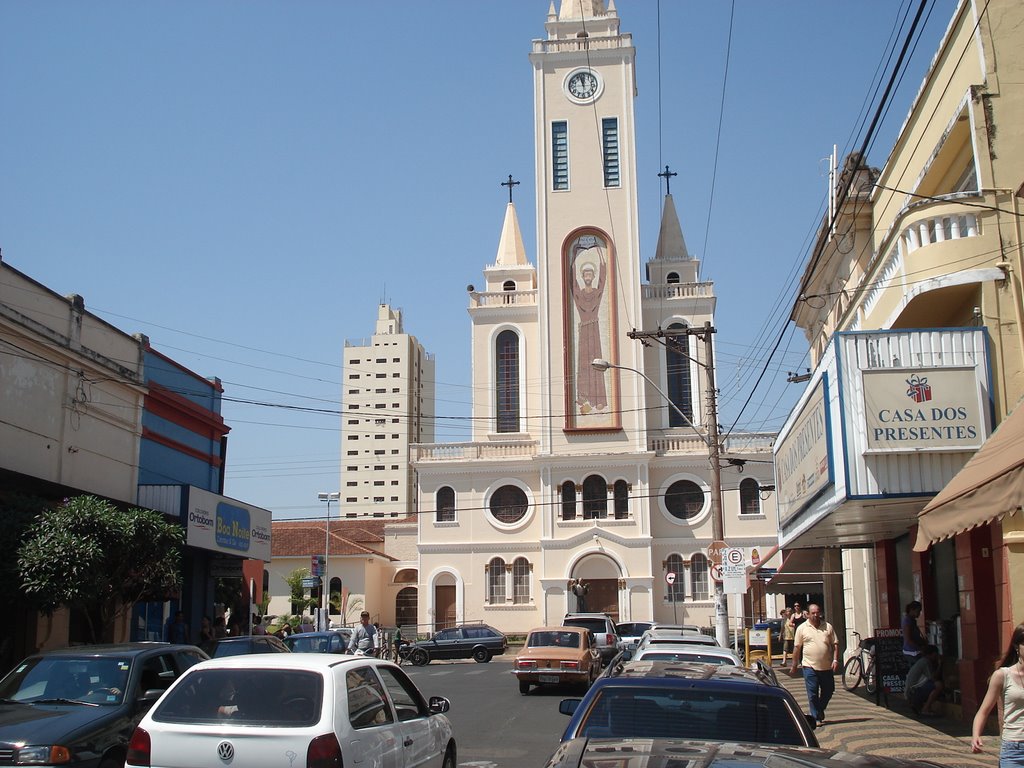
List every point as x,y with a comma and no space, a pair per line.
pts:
583,85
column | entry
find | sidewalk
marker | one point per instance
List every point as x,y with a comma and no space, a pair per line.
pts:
854,723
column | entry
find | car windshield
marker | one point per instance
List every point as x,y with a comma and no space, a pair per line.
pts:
689,713
633,628
232,648
60,678
554,638
277,698
307,644
699,658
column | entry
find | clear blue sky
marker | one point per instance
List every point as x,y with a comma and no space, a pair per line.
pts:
244,181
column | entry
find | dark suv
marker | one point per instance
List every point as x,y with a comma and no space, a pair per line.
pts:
80,705
602,627
470,641
682,700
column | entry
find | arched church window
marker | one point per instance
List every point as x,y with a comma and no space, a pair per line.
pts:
750,497
699,576
568,501
521,581
595,498
445,505
672,278
496,581
676,591
677,374
621,494
506,381
508,285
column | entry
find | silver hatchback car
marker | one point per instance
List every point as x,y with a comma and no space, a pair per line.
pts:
310,709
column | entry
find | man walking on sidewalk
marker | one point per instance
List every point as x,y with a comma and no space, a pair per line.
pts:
816,648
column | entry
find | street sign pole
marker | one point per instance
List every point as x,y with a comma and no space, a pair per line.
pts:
670,579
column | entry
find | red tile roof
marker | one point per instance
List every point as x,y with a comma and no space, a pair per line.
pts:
292,538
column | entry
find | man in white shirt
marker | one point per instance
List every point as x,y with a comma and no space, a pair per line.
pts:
816,646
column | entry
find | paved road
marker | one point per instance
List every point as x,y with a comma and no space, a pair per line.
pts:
496,727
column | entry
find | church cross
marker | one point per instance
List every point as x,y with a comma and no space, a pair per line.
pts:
510,184
667,175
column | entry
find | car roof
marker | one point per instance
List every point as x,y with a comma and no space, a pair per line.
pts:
118,649
686,674
324,633
707,650
558,628
310,661
591,753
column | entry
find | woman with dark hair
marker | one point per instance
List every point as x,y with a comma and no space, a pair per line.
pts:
1005,689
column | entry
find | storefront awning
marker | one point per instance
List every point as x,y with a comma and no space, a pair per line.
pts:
801,570
989,486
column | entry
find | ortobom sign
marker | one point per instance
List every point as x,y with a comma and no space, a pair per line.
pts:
225,525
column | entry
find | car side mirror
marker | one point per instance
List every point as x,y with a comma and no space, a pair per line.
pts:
439,705
569,706
149,696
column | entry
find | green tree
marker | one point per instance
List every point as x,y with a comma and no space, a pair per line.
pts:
87,554
300,602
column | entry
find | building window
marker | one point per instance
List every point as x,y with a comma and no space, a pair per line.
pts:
508,504
508,285
560,155
677,590
672,278
699,576
595,498
444,502
568,501
610,147
684,499
750,497
496,581
521,581
621,499
677,371
506,381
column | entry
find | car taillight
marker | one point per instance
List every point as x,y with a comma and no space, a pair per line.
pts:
324,752
526,665
570,665
139,748
607,639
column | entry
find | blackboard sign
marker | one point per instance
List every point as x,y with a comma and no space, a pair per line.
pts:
891,665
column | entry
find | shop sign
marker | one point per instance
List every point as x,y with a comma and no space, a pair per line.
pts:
223,525
802,463
921,409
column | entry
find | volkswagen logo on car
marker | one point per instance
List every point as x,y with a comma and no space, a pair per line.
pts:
226,751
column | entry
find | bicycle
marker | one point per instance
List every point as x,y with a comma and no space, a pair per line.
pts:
862,666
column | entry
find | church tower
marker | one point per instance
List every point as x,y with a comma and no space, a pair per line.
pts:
588,241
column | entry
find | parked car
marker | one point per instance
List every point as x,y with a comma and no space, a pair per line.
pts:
238,646
332,641
582,752
698,654
629,632
471,641
674,637
309,709
80,705
602,626
669,700
555,655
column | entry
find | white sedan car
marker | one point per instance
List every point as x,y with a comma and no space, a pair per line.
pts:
688,652
299,710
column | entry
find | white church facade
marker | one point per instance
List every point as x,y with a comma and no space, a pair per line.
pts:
578,472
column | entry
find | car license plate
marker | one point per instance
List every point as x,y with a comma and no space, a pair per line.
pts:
549,678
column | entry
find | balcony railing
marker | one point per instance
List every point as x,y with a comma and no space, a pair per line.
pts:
690,442
679,291
468,451
503,298
575,45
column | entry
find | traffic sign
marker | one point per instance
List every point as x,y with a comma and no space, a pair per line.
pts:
311,582
716,572
734,556
715,550
670,578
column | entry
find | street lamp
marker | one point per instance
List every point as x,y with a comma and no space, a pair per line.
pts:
325,585
714,453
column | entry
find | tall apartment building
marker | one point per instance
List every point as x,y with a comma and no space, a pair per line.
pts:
388,403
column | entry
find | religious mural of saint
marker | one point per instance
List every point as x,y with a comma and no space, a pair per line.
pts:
588,272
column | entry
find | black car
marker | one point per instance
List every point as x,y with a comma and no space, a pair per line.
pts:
238,646
470,641
683,700
80,705
637,753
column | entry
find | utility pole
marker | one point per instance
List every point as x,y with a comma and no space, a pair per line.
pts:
714,453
